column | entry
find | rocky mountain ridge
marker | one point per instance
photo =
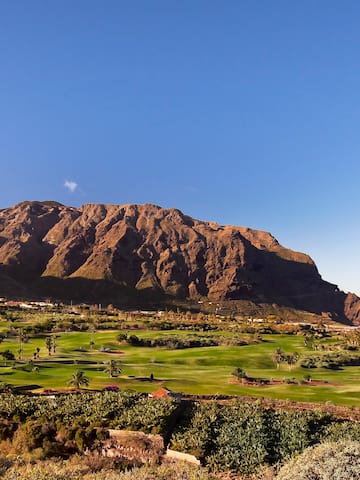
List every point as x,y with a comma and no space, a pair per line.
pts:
147,250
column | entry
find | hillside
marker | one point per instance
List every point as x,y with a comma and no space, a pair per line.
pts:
133,253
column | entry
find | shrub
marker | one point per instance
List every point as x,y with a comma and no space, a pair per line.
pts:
195,434
5,464
65,471
328,461
345,430
241,439
245,436
177,471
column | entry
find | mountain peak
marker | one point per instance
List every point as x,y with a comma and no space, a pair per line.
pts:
148,250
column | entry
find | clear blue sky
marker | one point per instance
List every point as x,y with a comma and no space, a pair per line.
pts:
242,112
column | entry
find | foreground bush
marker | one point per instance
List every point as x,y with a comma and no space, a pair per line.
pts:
62,471
328,461
242,437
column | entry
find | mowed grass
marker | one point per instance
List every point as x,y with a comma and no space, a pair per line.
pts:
204,370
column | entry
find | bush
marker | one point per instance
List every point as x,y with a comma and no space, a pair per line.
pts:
117,409
243,437
345,430
64,471
195,434
5,464
328,461
177,471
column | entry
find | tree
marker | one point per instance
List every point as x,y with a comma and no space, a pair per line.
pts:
20,352
309,340
112,368
7,355
352,340
92,332
54,344
78,379
291,359
122,337
278,357
240,374
29,367
49,344
21,340
36,354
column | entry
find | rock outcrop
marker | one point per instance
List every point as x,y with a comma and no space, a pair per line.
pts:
152,251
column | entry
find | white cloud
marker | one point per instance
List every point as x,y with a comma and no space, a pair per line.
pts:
70,185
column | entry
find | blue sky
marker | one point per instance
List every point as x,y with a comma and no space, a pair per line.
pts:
242,112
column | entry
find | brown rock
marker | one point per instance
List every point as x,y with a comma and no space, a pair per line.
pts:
123,250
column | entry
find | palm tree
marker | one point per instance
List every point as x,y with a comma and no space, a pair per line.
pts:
21,340
49,344
278,357
54,344
112,368
78,379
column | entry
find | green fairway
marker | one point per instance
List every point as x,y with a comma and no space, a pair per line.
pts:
205,370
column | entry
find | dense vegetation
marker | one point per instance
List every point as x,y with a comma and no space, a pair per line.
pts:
243,437
177,342
333,361
66,424
128,410
237,436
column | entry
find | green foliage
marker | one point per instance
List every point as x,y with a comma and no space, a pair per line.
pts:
196,433
278,357
78,379
7,355
112,368
343,430
290,433
332,361
239,373
245,436
180,342
49,344
39,436
117,409
240,442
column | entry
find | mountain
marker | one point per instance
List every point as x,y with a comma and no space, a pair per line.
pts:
133,253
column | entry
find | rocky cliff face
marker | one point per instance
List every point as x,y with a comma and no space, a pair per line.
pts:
157,251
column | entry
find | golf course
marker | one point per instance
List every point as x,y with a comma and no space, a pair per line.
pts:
200,370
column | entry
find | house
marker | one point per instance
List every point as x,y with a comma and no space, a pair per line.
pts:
164,392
